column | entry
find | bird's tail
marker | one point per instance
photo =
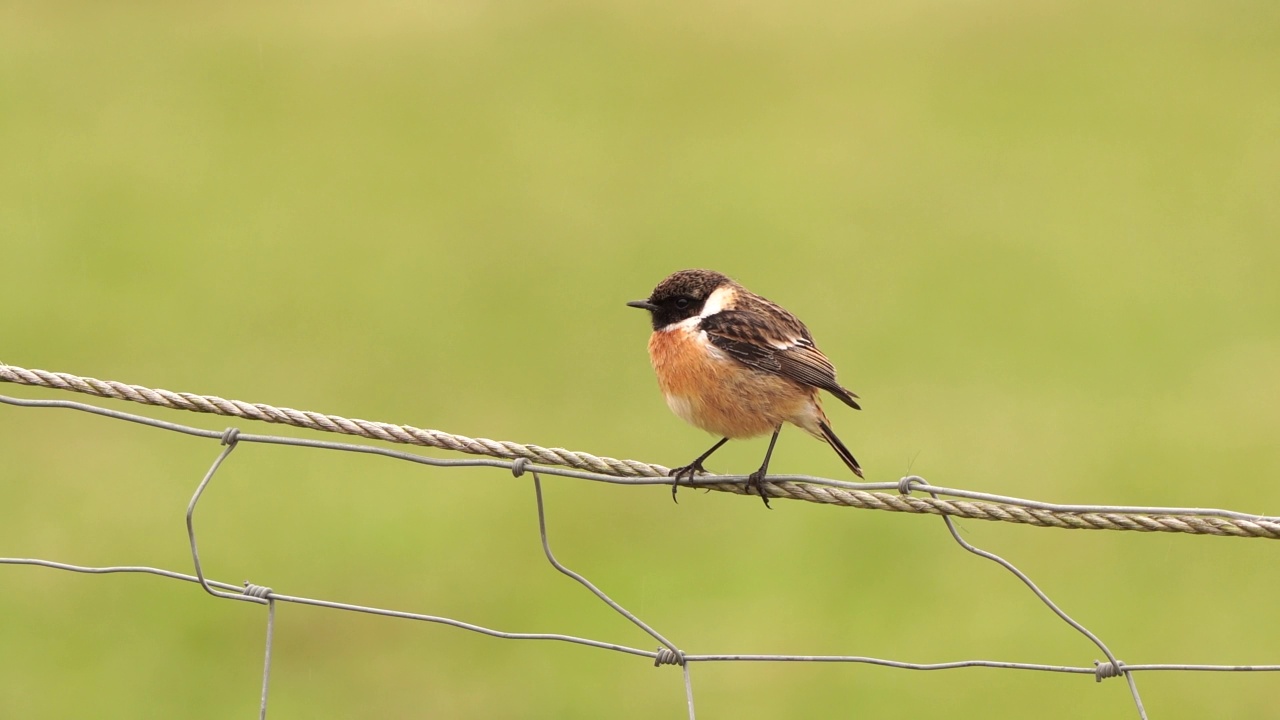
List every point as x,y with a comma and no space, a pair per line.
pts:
829,435
847,396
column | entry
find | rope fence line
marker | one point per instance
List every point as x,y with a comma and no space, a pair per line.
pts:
969,504
1190,520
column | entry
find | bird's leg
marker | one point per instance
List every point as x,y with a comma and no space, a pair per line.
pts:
757,478
694,467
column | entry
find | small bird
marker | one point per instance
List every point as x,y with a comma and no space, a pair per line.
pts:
737,365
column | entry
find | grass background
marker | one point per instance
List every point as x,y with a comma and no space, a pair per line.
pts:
1040,240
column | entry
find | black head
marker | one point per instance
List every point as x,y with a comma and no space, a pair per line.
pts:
681,296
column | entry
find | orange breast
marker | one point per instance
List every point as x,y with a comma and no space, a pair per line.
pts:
708,389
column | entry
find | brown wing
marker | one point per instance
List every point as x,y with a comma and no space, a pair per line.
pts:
766,337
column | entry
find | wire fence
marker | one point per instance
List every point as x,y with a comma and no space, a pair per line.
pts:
536,461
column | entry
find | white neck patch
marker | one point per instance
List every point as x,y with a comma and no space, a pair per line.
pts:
716,301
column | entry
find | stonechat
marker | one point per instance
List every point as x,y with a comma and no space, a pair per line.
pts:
738,366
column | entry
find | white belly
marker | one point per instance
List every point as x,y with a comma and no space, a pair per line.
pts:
682,407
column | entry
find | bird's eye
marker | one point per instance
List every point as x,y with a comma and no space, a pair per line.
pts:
682,303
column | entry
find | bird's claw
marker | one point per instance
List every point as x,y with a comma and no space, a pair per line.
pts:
687,472
756,480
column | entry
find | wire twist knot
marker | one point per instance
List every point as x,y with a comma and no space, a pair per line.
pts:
1108,669
909,483
258,591
518,465
667,656
230,436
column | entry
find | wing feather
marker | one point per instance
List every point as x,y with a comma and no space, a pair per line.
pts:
773,340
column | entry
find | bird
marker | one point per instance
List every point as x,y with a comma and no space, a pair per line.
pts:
739,366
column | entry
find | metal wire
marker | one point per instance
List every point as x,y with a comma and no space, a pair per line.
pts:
984,506
1114,666
266,663
1183,520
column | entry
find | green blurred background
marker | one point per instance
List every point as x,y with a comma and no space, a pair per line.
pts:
1039,239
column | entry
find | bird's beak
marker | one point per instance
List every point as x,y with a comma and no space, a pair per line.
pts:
643,305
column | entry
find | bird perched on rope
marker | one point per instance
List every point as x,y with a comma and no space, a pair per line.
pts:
737,365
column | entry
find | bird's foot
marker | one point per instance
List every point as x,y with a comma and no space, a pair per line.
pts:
687,472
756,480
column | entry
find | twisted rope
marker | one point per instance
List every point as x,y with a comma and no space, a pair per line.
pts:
407,434
977,510
404,434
